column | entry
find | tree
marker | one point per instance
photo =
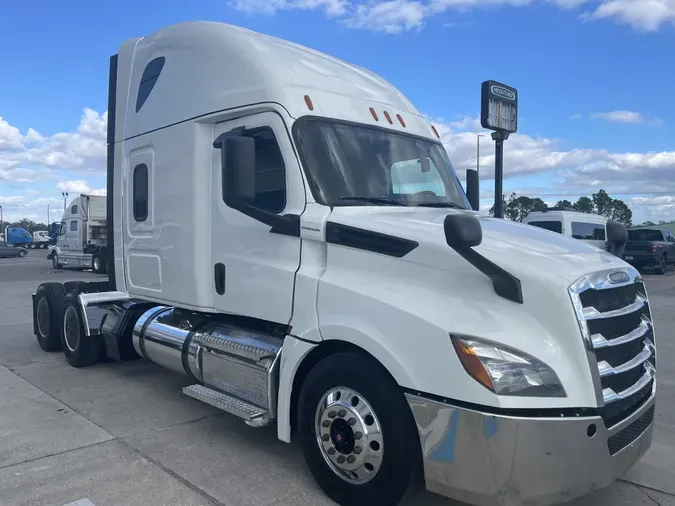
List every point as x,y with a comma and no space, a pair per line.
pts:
564,203
517,208
584,205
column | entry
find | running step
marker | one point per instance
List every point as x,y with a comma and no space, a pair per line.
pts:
253,415
240,342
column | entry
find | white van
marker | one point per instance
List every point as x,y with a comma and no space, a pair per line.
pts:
590,228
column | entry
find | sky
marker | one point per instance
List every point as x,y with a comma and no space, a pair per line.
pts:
593,76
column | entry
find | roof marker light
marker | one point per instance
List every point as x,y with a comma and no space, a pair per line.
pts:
372,111
400,119
309,103
386,115
435,131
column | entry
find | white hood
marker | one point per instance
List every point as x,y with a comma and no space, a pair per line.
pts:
513,246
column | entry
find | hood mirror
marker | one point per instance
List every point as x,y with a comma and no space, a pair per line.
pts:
462,231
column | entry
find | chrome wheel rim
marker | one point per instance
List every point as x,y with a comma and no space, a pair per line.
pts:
97,264
71,328
349,435
43,318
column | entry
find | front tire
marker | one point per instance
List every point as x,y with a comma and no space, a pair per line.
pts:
55,262
357,432
97,264
80,350
22,253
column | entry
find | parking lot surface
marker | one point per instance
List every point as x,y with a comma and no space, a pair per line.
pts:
124,434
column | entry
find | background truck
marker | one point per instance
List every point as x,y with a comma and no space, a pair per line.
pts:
82,239
650,247
40,240
16,236
310,292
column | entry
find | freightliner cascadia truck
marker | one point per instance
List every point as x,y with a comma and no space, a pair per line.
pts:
262,249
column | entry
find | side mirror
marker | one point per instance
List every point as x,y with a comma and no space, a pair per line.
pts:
617,237
472,189
237,159
462,231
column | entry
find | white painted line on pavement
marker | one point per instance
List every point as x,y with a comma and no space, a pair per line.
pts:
81,502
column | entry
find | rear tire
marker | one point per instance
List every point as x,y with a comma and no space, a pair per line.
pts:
381,421
79,349
49,300
663,265
22,253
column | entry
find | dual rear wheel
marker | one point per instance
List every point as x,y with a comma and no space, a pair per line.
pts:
59,324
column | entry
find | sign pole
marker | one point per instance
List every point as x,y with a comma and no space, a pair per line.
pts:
499,113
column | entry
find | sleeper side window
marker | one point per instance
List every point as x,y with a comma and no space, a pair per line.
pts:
140,192
73,226
148,80
73,210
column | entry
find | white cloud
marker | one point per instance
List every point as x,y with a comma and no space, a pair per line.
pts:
82,151
393,16
644,15
396,16
269,7
79,186
619,117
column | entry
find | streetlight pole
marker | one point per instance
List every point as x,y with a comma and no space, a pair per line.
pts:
65,196
2,230
48,215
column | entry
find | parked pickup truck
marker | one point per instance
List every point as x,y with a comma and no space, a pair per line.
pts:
650,247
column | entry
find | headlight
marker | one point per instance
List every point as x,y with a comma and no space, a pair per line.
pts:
506,371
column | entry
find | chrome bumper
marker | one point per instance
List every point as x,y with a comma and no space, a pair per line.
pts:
489,460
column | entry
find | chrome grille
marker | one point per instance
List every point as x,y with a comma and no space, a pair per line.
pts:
616,324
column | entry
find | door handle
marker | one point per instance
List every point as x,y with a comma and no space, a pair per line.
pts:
219,278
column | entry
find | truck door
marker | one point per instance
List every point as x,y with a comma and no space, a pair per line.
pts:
254,269
73,240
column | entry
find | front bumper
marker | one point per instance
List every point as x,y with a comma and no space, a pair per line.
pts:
492,460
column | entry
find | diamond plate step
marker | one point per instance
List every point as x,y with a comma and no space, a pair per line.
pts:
240,342
253,415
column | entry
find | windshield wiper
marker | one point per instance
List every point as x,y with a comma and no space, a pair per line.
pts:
375,200
441,204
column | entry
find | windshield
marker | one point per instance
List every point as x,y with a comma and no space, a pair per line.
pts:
645,235
350,165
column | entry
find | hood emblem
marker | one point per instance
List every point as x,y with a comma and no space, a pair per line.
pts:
619,277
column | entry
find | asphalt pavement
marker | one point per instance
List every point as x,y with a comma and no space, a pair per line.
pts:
124,434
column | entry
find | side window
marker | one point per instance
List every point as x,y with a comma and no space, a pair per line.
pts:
553,226
73,226
270,171
588,231
62,229
140,192
148,80
73,210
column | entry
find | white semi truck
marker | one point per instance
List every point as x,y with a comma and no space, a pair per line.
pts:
405,339
83,236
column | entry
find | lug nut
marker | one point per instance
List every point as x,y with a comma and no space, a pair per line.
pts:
331,414
341,459
325,423
342,413
357,450
331,451
358,435
351,421
325,437
351,459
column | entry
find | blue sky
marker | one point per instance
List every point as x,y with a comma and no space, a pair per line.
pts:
592,77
